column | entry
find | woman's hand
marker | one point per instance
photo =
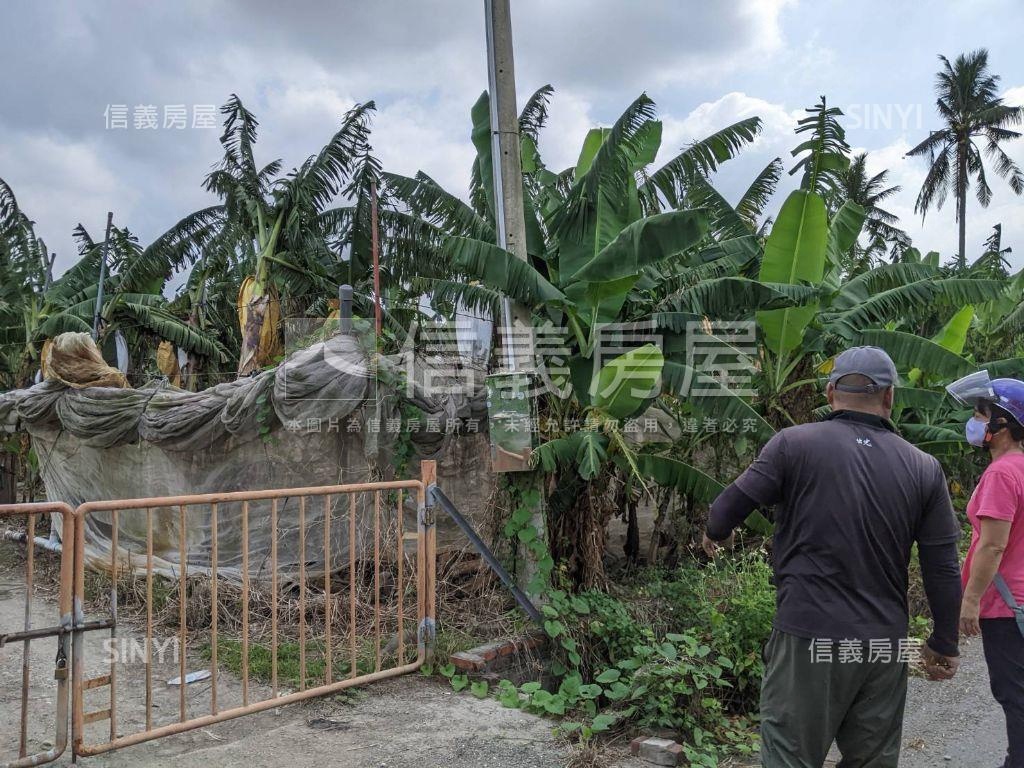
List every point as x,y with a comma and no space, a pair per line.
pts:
970,611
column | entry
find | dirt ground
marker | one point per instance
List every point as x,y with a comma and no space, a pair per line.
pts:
410,722
958,723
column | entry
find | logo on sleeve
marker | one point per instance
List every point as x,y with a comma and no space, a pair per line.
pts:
865,441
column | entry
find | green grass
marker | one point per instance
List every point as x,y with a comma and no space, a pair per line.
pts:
229,656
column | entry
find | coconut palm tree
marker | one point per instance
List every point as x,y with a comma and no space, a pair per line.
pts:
972,113
880,225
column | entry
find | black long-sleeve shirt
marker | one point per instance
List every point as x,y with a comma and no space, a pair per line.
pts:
853,497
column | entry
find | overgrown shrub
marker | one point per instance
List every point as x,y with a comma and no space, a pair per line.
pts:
676,650
730,604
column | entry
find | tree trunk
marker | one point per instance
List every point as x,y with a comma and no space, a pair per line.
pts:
259,314
578,514
8,478
249,358
659,523
961,201
796,406
632,547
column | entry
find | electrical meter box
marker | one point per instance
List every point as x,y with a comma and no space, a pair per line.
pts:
511,421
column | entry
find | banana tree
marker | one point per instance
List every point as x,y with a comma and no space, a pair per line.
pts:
26,267
278,233
133,304
806,249
601,236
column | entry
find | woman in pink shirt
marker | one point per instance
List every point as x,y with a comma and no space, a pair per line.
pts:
994,569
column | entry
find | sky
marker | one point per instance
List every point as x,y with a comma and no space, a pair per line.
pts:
110,105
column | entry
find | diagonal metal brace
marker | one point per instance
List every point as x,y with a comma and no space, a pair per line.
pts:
436,496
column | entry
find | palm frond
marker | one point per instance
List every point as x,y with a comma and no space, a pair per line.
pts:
727,221
503,271
895,303
702,158
736,297
318,180
534,114
755,199
910,351
426,199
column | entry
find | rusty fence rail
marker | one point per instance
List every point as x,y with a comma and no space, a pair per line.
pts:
60,629
332,637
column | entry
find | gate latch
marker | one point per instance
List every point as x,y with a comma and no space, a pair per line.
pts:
427,514
60,670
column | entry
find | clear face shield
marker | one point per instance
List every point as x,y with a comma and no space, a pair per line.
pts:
971,389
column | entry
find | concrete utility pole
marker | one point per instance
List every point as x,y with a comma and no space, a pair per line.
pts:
103,276
507,168
508,173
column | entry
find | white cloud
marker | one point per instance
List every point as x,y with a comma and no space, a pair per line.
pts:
711,116
775,140
1014,96
300,67
569,120
765,15
409,137
60,184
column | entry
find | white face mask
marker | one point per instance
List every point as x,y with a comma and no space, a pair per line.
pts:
975,430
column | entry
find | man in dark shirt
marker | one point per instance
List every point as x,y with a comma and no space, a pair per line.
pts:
852,498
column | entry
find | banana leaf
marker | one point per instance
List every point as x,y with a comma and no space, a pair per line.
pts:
644,243
625,384
711,398
794,254
910,351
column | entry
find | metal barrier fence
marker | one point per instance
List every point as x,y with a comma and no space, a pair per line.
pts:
61,629
327,647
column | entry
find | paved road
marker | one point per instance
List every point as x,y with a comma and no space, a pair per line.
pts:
417,723
956,724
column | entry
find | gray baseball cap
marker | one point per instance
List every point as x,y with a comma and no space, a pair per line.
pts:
872,362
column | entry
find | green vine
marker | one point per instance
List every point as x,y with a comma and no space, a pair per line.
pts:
611,672
522,532
403,449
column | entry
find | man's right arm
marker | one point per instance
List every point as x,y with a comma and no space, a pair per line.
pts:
728,512
937,538
759,485
940,572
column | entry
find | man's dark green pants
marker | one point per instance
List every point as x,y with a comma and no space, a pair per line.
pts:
807,703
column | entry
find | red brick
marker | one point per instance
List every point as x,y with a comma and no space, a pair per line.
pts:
467,661
657,751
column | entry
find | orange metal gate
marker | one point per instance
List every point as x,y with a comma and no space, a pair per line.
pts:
30,636
293,638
